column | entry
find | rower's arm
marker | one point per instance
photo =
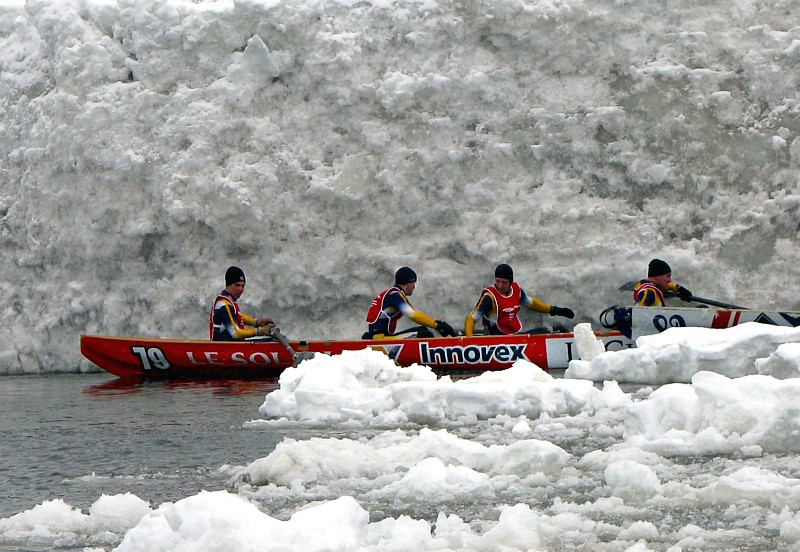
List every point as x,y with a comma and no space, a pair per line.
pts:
533,303
483,306
230,324
469,326
421,318
672,286
399,301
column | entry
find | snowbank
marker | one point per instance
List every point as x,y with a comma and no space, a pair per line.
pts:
366,387
678,353
221,521
717,415
318,460
56,522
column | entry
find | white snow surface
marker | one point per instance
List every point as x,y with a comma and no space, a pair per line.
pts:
55,522
366,386
314,460
146,145
223,521
676,354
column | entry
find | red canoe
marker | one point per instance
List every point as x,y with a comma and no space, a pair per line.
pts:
176,358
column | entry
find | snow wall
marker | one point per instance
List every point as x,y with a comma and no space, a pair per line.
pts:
320,145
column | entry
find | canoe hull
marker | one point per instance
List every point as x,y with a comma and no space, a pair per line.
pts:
652,320
172,358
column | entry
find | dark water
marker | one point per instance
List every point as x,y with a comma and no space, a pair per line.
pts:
159,440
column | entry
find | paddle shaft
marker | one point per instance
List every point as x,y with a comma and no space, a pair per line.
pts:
283,340
629,286
697,299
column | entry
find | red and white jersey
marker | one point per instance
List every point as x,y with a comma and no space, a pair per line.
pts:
507,308
378,309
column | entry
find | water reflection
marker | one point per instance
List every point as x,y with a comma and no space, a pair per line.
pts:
124,386
79,436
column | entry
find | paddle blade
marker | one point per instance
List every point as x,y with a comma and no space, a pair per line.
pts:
628,286
297,358
306,355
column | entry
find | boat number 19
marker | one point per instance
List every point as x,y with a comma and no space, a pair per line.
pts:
151,357
675,321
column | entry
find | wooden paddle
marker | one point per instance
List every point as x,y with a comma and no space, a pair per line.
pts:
629,286
297,358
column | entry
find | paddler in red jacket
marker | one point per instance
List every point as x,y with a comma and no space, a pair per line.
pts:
499,304
227,322
392,303
650,291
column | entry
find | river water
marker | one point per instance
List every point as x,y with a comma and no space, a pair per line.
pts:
76,437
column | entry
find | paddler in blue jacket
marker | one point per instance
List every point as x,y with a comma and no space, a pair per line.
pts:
392,303
227,322
650,291
499,304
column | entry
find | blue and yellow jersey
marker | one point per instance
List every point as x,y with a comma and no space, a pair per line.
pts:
647,294
390,306
226,322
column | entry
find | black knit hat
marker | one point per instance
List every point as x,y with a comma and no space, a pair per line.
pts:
234,275
504,271
404,275
657,267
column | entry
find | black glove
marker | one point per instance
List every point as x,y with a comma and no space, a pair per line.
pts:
684,294
561,311
444,329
